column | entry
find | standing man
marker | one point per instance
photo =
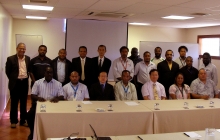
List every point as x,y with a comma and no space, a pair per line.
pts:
203,88
157,59
62,67
84,66
75,90
210,68
101,63
43,89
141,73
17,71
182,58
167,70
125,90
102,91
153,90
122,63
134,56
39,64
189,72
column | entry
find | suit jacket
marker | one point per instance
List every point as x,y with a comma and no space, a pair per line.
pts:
68,70
96,93
105,66
189,75
12,69
167,76
88,70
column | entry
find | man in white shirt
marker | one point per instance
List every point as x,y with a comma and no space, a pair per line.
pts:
75,90
153,90
122,63
141,73
210,68
181,60
125,90
157,59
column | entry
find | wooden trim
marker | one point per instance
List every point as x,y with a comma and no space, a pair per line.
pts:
213,57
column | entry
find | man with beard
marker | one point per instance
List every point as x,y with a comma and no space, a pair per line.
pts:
210,68
167,70
141,73
157,59
38,64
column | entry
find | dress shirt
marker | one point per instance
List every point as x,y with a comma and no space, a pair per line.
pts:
103,58
156,61
61,70
209,88
84,59
211,72
147,90
47,90
142,71
119,65
22,68
120,92
81,93
181,62
179,91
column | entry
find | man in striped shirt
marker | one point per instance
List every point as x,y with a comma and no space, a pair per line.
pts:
44,89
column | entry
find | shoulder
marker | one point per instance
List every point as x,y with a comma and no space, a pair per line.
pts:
75,59
160,85
55,59
107,59
12,57
132,85
174,63
82,85
95,58
66,86
47,58
186,86
57,82
108,85
196,81
27,57
68,61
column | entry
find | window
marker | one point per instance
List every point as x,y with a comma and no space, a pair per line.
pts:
210,44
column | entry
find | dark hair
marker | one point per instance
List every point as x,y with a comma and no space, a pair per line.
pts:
123,47
179,73
102,46
182,47
102,72
153,70
206,53
146,52
168,51
158,48
62,50
189,57
125,71
20,44
83,47
42,46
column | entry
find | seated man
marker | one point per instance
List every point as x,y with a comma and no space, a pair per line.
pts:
125,90
75,90
102,91
153,90
44,89
203,88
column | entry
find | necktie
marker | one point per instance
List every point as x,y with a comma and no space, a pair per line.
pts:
82,66
155,92
100,64
103,87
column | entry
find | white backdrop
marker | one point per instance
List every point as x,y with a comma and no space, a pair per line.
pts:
92,33
193,49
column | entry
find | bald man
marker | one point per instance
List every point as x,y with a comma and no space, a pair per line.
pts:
74,90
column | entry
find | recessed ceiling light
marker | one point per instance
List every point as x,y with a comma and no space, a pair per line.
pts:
35,7
35,17
177,17
136,23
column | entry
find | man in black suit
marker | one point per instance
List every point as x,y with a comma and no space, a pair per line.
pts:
101,63
17,71
102,91
84,66
167,70
62,67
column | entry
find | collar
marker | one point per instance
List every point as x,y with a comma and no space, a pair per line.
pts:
83,58
201,81
73,85
151,82
207,65
22,58
150,63
58,60
182,59
123,84
161,58
102,84
101,58
123,60
46,81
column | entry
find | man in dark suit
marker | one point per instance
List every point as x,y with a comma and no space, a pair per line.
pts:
62,67
17,71
167,70
102,91
101,63
84,66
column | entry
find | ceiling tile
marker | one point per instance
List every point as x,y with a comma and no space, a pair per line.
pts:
201,4
80,4
166,2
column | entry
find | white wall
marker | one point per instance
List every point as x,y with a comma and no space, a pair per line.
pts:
160,34
51,30
5,45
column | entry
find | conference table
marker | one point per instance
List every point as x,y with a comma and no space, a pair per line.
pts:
61,119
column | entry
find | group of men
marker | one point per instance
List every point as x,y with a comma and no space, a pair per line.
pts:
86,78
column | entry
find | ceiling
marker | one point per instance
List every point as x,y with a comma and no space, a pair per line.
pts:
147,11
